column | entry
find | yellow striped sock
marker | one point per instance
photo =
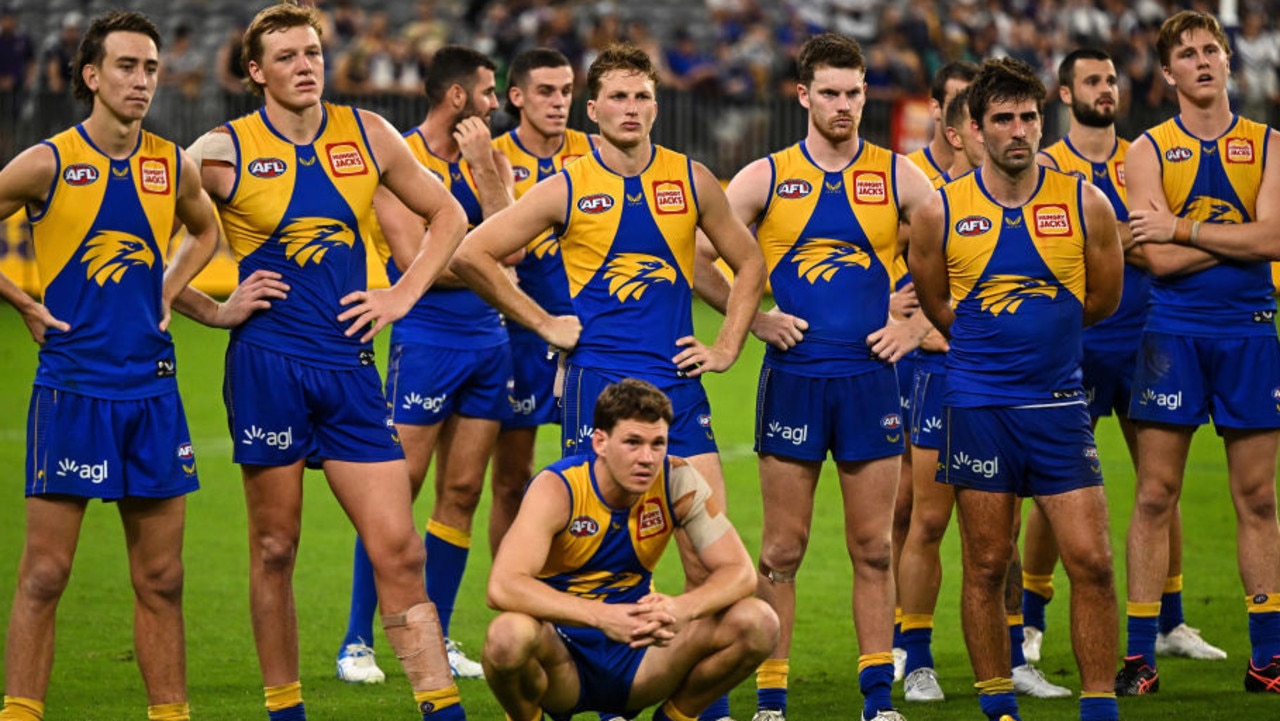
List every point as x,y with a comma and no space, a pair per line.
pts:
17,708
1013,619
1097,694
773,673
993,686
874,659
1141,609
169,712
913,621
280,697
676,714
1041,585
1263,603
449,534
432,701
1173,584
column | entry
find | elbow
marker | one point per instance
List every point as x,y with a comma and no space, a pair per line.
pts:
495,595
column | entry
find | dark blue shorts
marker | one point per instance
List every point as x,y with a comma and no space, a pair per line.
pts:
606,669
926,408
533,399
690,433
281,411
1108,378
427,384
1040,451
108,449
856,418
1185,380
906,368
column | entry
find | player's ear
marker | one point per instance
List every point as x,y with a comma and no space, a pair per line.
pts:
598,440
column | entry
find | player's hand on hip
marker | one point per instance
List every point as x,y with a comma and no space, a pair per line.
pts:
39,320
373,310
935,342
780,330
562,332
893,341
251,296
698,358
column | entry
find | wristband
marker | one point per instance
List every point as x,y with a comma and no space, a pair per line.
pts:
1195,233
1181,230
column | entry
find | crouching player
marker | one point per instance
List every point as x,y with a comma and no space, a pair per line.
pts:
581,629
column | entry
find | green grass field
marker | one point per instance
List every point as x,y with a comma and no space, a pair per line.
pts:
95,679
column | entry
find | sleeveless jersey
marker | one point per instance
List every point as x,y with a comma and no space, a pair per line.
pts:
296,210
607,553
448,317
1213,181
628,250
541,273
100,244
923,158
1018,284
829,241
1124,326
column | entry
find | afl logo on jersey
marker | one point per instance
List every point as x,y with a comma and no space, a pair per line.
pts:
973,225
155,175
1177,154
79,174
870,188
520,173
583,526
1239,150
793,189
345,159
1052,219
595,204
267,168
668,197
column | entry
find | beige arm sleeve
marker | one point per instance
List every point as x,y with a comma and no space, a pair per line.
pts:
691,498
213,145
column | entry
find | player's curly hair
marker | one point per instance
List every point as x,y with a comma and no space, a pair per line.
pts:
631,399
624,57
1004,80
92,48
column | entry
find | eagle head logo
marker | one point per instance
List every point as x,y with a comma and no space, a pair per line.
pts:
110,254
1213,210
1006,292
630,274
546,246
309,239
821,258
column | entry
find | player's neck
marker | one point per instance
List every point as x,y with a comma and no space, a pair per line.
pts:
943,154
829,156
543,146
1205,121
437,131
298,125
1095,144
612,492
627,161
115,138
1010,190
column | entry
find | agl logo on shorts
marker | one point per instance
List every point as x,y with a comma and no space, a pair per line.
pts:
280,440
1172,401
92,472
795,434
978,466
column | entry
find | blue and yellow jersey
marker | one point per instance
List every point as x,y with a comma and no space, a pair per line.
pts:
100,244
605,553
447,317
829,241
541,273
628,250
1124,326
1018,285
296,210
923,158
1213,181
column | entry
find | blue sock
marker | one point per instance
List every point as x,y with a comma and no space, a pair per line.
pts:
446,560
876,682
899,637
1264,636
364,600
771,698
448,713
1142,638
1099,708
995,705
1016,636
1171,611
918,643
291,713
717,710
1033,605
